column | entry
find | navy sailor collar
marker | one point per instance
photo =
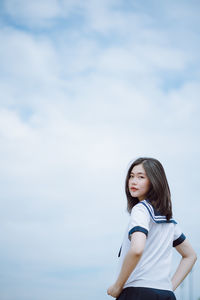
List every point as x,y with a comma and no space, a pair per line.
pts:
155,215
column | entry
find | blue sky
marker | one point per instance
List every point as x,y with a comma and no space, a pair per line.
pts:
87,86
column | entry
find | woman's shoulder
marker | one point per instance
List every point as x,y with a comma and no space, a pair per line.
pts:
147,207
140,209
142,205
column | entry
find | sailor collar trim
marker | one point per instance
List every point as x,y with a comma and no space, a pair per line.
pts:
155,215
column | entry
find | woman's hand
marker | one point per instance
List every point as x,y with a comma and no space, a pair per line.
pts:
114,291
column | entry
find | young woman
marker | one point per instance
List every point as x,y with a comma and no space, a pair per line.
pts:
145,255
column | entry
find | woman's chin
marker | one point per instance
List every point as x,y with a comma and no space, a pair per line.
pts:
133,195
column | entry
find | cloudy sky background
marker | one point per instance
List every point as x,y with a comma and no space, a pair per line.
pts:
87,86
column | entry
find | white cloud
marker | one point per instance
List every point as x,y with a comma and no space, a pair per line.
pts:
35,13
25,57
11,128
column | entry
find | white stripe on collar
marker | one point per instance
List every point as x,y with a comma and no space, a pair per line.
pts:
156,217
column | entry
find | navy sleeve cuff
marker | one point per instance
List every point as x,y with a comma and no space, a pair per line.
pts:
138,228
177,242
120,250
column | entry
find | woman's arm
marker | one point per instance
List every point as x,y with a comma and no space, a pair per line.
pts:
188,260
131,259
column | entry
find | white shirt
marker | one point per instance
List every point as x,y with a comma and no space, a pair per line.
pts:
153,269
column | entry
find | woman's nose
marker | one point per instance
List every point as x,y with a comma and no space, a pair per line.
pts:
134,180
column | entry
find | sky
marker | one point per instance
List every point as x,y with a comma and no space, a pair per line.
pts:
85,88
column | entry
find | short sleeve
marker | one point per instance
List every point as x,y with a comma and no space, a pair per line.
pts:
140,220
179,237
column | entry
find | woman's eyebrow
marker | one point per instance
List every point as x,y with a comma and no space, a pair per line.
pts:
138,173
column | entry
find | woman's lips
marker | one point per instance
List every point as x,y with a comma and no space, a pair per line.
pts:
133,189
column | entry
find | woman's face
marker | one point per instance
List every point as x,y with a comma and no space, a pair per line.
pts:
139,183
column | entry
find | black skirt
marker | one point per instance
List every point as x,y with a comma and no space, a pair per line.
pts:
143,293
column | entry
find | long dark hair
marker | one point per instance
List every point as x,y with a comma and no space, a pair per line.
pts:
159,193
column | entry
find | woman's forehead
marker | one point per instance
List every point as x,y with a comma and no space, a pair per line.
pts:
138,169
